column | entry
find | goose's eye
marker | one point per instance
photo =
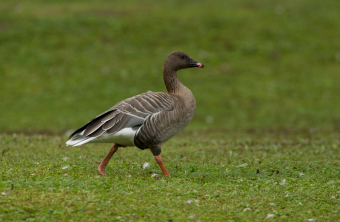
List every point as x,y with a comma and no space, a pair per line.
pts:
182,56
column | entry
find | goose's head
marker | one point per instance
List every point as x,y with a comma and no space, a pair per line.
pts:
179,60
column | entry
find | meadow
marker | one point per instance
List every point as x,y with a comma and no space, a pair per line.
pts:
264,142
242,177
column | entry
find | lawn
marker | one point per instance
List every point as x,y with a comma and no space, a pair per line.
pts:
223,176
265,139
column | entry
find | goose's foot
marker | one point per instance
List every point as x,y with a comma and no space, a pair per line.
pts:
105,161
161,165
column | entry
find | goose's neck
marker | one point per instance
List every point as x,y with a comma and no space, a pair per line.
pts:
172,83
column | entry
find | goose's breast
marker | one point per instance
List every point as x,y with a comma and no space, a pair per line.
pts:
179,120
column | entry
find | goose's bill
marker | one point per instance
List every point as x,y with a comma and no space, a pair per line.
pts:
200,65
193,63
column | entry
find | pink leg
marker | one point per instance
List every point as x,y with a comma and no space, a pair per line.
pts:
105,161
161,165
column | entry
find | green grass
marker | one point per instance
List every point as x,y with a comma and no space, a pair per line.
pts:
267,101
214,178
268,65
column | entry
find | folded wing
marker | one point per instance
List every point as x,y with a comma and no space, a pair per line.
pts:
131,112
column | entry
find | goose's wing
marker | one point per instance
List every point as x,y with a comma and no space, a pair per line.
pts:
127,113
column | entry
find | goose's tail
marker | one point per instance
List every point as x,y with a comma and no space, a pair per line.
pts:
79,140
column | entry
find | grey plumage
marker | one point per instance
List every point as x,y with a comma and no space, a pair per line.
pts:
156,116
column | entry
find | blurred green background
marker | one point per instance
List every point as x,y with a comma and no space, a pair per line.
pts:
268,64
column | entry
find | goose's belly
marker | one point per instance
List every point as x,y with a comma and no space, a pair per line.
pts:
123,137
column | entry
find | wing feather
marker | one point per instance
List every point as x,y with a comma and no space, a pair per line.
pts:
128,113
109,124
110,116
145,102
121,123
93,126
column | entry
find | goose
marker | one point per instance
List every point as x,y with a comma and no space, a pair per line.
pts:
146,120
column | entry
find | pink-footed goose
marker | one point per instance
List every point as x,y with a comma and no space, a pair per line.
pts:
146,120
